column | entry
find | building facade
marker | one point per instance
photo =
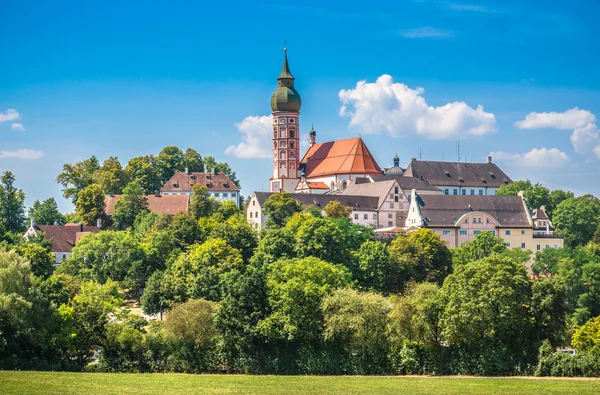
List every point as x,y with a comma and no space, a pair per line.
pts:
219,185
62,237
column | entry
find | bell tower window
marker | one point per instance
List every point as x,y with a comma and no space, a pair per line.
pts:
292,133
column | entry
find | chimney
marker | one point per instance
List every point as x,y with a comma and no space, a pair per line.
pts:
81,227
157,193
187,170
99,223
489,159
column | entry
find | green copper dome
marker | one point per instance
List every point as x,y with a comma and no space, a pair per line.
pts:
285,97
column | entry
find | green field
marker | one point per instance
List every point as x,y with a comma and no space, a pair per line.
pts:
98,383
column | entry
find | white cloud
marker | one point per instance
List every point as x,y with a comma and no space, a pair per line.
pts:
394,108
570,119
426,32
9,115
27,154
542,157
470,7
585,138
17,126
597,151
256,138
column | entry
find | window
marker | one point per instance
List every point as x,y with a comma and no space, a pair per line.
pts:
391,205
464,191
291,120
547,246
292,133
225,194
446,232
507,232
481,192
232,194
474,220
523,245
254,202
464,232
366,216
256,214
374,216
390,215
332,186
539,247
391,196
523,232
355,216
555,245
395,198
472,192
478,220
64,256
250,214
216,194
344,184
395,189
446,191
508,244
433,231
476,232
455,192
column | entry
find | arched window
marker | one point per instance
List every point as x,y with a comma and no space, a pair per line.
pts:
344,184
275,144
332,186
292,133
275,133
282,155
282,165
292,145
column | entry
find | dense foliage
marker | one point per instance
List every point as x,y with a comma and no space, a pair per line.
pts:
311,294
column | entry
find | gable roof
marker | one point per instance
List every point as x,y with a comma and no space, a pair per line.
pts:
63,238
379,189
161,204
445,210
182,182
357,203
460,174
349,156
408,183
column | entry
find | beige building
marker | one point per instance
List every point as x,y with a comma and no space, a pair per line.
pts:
458,219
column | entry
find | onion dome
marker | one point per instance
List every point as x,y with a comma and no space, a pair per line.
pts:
285,97
396,170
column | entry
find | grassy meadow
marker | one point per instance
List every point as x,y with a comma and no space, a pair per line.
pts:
106,383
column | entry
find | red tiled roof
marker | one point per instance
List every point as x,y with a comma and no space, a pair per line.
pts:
162,204
316,185
64,237
182,182
349,156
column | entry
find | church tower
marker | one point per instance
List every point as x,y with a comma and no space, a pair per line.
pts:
285,104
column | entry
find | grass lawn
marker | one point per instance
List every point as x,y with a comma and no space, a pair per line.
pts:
101,383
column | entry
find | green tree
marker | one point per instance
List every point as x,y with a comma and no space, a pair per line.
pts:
556,197
90,204
46,213
185,230
193,160
228,209
374,270
111,177
295,289
59,288
132,202
486,314
549,310
144,170
335,209
279,208
40,259
211,164
358,322
483,245
162,292
238,233
201,203
75,178
547,260
577,219
12,209
274,244
318,237
535,195
169,161
204,268
587,337
596,236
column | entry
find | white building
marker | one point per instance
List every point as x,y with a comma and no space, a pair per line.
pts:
219,185
63,237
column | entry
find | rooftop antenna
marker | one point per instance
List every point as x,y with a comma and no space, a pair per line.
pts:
442,156
458,150
420,153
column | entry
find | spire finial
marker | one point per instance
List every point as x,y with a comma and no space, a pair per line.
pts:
285,45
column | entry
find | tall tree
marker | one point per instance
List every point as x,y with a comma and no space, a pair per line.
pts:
211,164
169,161
132,202
577,219
144,169
12,209
535,195
90,204
75,178
201,203
193,160
46,213
335,209
556,197
280,207
111,177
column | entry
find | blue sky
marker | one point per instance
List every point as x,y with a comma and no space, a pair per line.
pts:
128,78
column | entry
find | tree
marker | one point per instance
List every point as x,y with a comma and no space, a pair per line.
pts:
587,337
596,236
193,160
111,177
374,269
486,314
228,209
144,170
40,259
280,207
12,210
238,233
132,202
549,310
535,195
335,209
318,237
185,230
75,178
204,267
577,219
46,213
211,164
273,245
547,260
295,290
358,322
59,288
482,246
90,204
556,197
162,292
201,203
169,161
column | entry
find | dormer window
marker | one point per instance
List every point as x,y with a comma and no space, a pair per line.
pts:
447,173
